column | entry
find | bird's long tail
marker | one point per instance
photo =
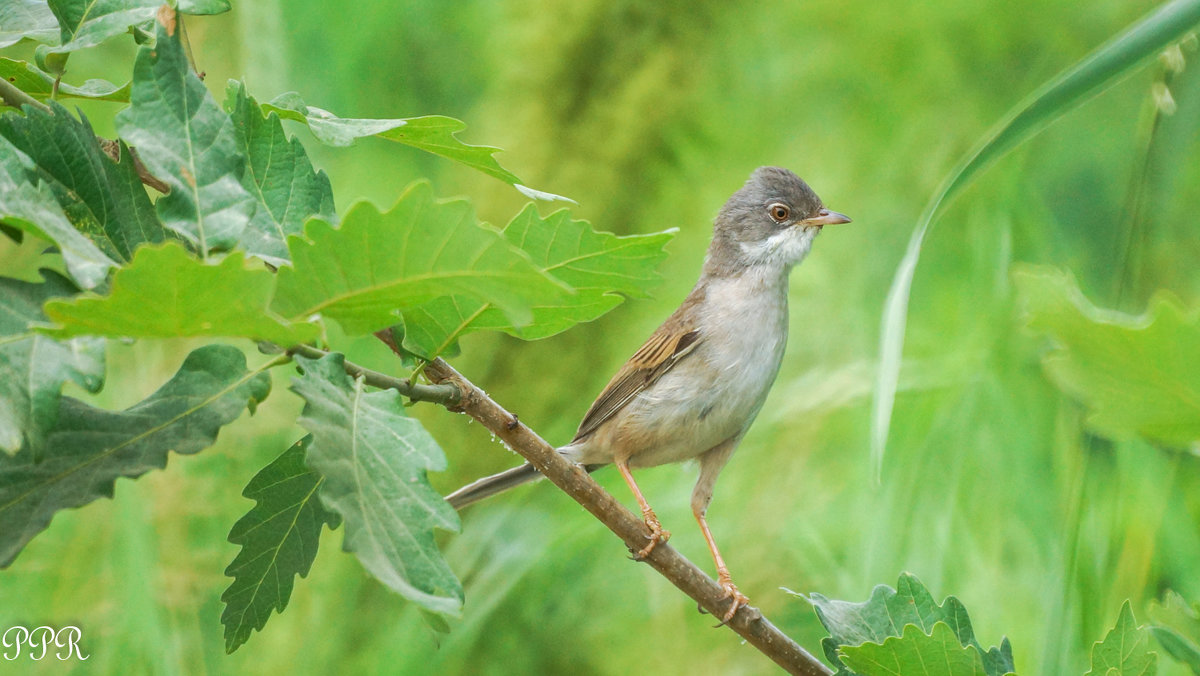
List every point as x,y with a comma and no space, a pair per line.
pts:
491,485
498,483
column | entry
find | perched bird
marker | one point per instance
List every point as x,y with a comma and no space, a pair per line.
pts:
696,385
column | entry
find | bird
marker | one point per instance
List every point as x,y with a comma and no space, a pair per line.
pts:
694,388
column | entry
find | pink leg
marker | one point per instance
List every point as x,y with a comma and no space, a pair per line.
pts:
657,534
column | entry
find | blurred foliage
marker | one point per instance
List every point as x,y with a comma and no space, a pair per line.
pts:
865,636
650,115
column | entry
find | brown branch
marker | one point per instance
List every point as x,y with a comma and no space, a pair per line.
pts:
748,622
113,150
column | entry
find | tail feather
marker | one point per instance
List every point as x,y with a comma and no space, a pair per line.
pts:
491,485
498,483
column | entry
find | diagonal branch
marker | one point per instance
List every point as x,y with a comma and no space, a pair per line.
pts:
748,622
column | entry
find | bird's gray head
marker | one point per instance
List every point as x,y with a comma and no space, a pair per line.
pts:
771,222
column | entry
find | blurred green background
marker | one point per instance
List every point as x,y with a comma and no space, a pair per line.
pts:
650,115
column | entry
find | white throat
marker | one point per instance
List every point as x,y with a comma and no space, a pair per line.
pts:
785,248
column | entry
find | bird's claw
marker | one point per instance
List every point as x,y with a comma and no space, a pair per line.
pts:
737,598
655,536
512,424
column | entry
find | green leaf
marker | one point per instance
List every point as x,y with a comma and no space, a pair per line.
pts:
600,266
1177,629
40,84
889,610
915,653
431,133
91,448
51,62
165,292
374,459
279,539
376,264
27,19
29,204
185,139
33,368
206,7
1086,78
1137,375
103,199
86,23
279,176
1125,651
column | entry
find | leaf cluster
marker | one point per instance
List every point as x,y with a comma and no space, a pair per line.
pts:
206,219
905,631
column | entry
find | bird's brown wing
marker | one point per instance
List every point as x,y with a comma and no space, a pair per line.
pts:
670,343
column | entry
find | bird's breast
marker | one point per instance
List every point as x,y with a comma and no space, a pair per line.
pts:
745,332
715,393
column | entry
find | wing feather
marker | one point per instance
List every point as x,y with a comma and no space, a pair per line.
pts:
670,343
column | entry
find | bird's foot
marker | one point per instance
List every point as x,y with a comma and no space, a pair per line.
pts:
656,535
737,598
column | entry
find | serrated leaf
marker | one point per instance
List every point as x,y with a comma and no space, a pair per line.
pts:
27,19
1089,76
1125,650
1137,375
431,133
33,368
374,459
40,84
886,613
165,292
103,199
600,266
915,653
29,204
86,23
187,141
376,264
1177,629
91,448
279,176
279,538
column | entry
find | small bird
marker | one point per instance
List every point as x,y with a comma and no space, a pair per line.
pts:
695,386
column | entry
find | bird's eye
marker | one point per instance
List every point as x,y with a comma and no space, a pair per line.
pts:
779,212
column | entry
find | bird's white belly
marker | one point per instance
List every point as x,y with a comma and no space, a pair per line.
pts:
715,393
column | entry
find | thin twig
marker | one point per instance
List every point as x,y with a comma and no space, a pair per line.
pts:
13,96
748,622
113,150
446,395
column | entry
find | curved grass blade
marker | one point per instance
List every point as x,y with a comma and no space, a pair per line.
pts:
1091,75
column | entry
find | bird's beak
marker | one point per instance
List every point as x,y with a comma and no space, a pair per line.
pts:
826,217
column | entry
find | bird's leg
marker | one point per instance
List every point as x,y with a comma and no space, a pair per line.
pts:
711,463
723,577
657,534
